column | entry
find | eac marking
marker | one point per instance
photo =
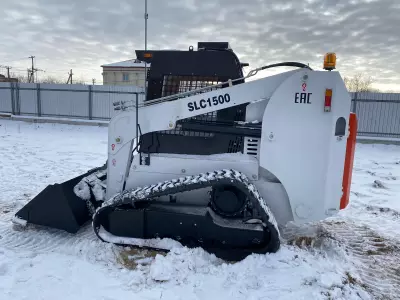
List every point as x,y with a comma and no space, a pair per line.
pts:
302,98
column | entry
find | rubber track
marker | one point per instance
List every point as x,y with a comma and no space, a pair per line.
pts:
190,183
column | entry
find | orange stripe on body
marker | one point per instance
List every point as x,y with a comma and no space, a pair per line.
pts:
349,160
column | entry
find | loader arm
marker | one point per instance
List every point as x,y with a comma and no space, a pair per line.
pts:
157,116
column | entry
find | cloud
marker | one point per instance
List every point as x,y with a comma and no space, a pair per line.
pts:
83,34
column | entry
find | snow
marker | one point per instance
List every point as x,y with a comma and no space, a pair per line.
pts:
82,190
92,183
99,192
167,244
39,263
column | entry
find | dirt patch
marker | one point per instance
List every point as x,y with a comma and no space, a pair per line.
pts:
381,246
6,208
376,210
349,279
130,258
379,184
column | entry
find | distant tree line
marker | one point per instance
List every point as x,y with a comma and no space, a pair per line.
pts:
48,79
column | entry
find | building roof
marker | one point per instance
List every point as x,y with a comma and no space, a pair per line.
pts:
3,78
128,64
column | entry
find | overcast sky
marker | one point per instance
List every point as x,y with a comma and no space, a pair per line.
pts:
83,34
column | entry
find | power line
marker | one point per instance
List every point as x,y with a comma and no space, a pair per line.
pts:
17,69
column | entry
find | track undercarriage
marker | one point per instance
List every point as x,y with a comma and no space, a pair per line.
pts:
235,222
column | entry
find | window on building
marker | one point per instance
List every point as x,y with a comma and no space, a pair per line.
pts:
125,76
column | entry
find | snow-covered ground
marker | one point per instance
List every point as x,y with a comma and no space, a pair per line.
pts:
352,256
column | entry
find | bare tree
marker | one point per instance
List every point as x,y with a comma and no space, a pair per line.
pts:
52,79
21,78
57,80
81,80
359,83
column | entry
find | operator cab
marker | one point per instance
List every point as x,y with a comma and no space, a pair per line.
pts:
177,71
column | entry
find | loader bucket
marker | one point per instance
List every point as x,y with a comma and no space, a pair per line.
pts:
57,206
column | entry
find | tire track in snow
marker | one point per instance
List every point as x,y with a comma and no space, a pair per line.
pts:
377,259
37,239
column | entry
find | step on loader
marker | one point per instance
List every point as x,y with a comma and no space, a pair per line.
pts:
211,159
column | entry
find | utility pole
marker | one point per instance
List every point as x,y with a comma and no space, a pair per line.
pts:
70,76
31,77
146,16
33,71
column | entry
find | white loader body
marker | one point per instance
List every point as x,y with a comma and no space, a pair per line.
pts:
297,164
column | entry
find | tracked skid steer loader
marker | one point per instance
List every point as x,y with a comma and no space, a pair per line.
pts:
212,160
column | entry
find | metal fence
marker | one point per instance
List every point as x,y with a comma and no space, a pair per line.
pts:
93,102
378,113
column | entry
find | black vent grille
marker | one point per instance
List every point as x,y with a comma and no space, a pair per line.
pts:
235,145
